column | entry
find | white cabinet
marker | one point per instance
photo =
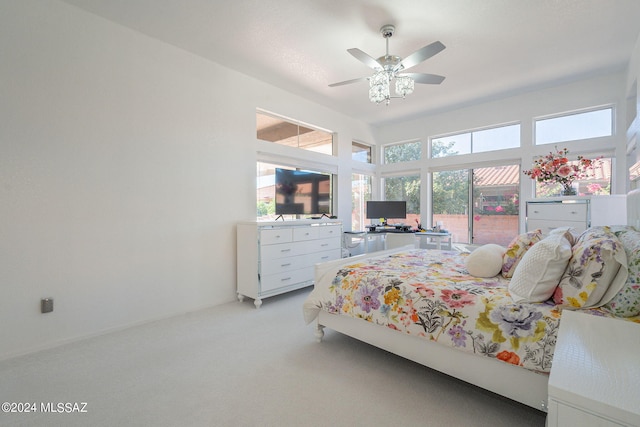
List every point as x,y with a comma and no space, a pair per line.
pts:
277,257
549,214
595,374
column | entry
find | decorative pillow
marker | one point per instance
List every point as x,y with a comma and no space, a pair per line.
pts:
627,302
486,261
596,272
569,232
541,268
516,249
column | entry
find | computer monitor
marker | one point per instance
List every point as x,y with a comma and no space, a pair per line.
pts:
386,209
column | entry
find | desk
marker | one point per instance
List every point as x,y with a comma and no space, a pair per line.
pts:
438,237
367,236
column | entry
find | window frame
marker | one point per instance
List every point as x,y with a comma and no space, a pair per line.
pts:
299,124
471,132
571,113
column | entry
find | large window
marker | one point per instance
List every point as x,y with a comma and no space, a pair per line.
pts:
286,132
361,152
403,152
407,188
573,127
360,194
495,200
497,138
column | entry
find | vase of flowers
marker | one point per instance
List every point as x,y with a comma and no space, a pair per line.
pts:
555,167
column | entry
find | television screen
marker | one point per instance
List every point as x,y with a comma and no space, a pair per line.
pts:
387,209
302,192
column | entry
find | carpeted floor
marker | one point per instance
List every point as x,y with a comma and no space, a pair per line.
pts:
233,365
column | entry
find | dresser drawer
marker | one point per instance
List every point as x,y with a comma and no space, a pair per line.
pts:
305,233
557,211
322,245
276,235
283,279
329,231
282,250
546,225
280,265
325,256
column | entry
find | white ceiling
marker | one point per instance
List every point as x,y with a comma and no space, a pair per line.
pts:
494,47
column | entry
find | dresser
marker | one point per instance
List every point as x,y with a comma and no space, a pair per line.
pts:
595,375
277,257
549,214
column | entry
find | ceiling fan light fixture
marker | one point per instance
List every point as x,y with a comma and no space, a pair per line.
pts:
404,85
387,67
379,87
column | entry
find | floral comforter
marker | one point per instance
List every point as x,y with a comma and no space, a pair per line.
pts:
430,294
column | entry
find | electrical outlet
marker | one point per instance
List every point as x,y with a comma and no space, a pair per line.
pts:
46,305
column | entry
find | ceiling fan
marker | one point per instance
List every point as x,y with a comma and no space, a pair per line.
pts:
388,68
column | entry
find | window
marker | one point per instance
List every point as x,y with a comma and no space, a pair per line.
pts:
360,194
403,152
598,184
634,176
497,138
495,203
573,127
280,131
360,152
266,191
405,188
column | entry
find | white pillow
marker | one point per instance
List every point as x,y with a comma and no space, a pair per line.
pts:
541,268
486,261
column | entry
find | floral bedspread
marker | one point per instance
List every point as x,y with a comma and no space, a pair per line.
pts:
430,294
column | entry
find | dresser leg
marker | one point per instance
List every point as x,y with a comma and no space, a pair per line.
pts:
319,332
240,297
257,302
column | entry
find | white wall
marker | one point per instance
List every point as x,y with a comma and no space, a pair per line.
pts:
124,165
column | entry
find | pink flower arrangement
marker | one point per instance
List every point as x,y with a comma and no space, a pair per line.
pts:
556,168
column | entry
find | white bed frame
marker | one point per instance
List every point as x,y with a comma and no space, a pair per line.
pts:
516,383
510,381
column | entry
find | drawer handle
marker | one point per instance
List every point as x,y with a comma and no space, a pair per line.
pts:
536,211
285,250
324,244
324,257
306,234
285,265
285,279
574,212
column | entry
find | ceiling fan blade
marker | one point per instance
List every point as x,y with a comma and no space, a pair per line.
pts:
420,55
430,79
366,59
346,82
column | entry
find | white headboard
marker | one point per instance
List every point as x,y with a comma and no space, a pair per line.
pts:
633,208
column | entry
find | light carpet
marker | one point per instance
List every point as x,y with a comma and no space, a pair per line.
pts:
234,365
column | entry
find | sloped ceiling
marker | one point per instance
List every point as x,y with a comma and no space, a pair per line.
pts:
494,48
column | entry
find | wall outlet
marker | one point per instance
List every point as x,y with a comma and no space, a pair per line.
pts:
46,305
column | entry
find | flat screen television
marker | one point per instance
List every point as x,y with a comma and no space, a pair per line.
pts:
386,209
302,192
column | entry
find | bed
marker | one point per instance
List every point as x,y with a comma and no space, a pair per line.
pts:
425,306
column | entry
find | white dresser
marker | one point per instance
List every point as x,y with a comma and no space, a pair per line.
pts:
596,374
276,257
549,214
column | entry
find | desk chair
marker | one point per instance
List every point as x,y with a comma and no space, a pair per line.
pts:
396,240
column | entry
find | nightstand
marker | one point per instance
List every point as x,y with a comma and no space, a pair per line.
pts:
595,377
